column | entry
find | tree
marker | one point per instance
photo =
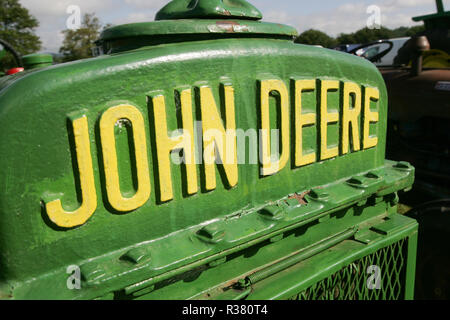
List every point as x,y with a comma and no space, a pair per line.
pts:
408,32
78,43
316,37
367,35
17,27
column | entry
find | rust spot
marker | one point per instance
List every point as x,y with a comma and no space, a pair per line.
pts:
230,284
228,26
300,197
224,22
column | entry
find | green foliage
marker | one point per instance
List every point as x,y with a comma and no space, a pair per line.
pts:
316,37
366,35
408,32
17,27
78,43
362,36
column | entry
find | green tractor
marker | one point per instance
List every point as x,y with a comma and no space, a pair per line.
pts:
205,155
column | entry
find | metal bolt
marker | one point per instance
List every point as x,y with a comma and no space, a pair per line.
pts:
319,194
211,233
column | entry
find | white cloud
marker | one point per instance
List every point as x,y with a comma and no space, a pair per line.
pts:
52,16
58,8
400,4
276,16
350,17
149,4
51,40
135,17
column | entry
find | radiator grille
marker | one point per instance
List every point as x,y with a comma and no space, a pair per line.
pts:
353,281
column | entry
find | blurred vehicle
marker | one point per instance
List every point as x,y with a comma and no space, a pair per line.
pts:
381,52
346,47
388,59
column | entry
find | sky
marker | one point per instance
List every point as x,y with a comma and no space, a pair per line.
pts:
330,16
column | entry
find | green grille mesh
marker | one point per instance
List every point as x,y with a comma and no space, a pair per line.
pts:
350,283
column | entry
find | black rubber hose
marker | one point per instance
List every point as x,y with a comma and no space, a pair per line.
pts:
10,48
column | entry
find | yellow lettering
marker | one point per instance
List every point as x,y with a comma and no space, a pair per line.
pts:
302,120
270,167
326,118
55,211
215,136
108,121
370,117
165,145
350,116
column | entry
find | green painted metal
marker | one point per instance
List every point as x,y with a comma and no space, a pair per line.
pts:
440,6
214,28
318,256
222,9
190,246
350,283
37,60
213,20
342,271
295,259
141,35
